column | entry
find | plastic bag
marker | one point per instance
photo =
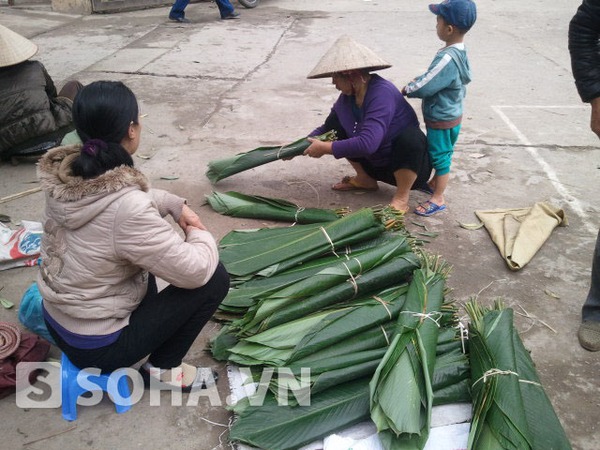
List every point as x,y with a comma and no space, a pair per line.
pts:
20,247
31,314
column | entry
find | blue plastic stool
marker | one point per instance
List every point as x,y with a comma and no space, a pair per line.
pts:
71,389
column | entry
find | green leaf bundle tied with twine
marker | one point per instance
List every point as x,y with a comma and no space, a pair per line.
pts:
223,168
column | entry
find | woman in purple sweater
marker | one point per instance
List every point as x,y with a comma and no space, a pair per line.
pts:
378,131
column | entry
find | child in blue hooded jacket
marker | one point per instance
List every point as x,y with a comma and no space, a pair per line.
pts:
442,89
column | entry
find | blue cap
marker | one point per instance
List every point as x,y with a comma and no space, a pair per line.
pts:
460,13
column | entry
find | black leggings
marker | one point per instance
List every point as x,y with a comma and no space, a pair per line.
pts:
164,326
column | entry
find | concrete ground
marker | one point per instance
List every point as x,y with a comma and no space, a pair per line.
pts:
214,88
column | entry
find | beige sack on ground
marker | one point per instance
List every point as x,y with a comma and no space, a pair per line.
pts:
520,232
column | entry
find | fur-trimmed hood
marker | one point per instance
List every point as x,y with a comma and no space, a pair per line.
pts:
54,173
73,201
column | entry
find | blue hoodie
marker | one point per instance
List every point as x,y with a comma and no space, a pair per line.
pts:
442,87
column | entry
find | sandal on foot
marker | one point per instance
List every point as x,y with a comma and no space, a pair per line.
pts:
349,183
205,378
429,209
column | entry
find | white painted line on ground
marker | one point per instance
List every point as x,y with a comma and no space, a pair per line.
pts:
552,176
542,106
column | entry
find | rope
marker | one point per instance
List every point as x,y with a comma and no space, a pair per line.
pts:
279,151
385,335
493,372
10,338
464,335
330,241
352,280
298,211
427,316
384,305
360,267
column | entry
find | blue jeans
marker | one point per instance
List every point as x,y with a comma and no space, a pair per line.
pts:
178,9
225,7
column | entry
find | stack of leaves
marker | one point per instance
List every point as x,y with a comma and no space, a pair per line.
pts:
401,389
236,204
317,304
272,426
223,168
374,269
246,293
306,335
342,348
269,251
510,408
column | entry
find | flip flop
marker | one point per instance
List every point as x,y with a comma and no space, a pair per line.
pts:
430,209
348,183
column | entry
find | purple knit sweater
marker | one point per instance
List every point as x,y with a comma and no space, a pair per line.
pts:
384,114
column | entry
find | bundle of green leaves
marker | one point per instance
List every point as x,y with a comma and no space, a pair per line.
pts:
223,168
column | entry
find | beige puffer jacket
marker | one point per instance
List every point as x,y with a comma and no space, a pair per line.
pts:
101,238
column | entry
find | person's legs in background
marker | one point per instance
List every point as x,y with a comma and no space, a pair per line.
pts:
227,10
589,330
177,12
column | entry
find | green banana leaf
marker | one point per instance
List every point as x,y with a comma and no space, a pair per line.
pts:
250,257
389,273
222,342
340,246
343,270
342,327
354,370
450,382
223,168
510,407
375,337
246,294
276,427
236,204
409,362
275,346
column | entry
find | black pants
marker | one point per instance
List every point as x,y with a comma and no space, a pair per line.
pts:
591,307
164,326
409,151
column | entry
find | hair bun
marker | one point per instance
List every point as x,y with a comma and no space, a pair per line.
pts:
93,146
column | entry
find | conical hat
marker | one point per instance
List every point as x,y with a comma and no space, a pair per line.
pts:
347,54
14,48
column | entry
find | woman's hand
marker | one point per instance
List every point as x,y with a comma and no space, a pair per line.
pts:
318,148
189,218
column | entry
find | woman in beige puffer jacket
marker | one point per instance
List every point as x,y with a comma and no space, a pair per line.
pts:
105,240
